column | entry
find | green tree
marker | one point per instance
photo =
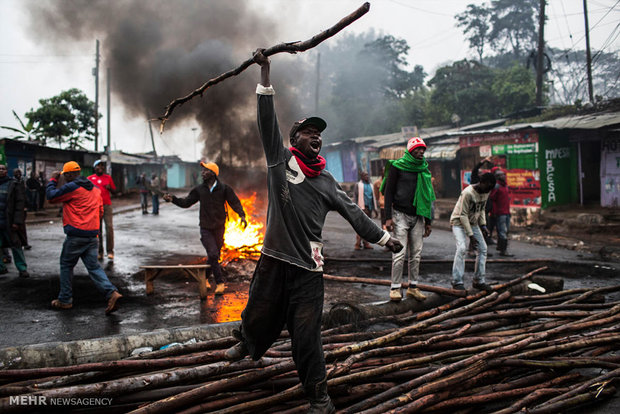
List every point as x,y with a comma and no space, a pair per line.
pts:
478,93
514,25
68,118
464,89
514,88
369,83
476,25
26,132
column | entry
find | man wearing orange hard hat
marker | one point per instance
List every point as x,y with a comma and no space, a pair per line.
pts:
81,220
213,196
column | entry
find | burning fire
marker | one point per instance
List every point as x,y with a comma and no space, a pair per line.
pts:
240,243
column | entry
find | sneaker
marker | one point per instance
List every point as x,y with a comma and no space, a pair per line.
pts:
111,256
236,352
413,292
24,274
395,295
482,286
219,289
458,286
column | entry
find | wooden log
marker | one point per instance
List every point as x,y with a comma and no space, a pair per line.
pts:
116,366
194,396
578,400
384,282
503,347
211,406
141,382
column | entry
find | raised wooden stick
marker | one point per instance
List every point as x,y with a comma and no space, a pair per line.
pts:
292,47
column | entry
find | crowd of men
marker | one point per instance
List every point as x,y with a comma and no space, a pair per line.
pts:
287,284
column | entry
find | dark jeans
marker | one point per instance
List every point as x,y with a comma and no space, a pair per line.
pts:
84,248
281,293
155,199
213,240
144,201
33,200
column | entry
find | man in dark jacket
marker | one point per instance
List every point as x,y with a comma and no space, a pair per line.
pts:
12,209
287,286
81,219
213,196
409,197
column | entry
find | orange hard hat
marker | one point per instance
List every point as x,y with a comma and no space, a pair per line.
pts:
211,166
70,166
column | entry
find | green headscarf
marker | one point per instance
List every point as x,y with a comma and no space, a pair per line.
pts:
424,193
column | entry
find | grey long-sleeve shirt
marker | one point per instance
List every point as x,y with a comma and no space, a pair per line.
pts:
298,204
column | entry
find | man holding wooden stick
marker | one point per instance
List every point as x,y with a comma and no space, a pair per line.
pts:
287,286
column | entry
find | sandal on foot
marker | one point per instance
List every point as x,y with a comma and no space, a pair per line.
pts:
56,304
115,296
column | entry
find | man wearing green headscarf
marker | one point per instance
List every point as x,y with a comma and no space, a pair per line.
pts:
409,197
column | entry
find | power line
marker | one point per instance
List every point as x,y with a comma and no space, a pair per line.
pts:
420,9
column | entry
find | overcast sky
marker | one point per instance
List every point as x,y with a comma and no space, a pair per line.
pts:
29,70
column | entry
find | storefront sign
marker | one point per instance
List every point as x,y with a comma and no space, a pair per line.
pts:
555,166
514,137
610,173
524,187
485,151
511,149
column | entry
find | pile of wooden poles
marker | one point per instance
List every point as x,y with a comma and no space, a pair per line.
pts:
487,352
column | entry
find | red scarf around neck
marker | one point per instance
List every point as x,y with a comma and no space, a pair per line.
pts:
310,168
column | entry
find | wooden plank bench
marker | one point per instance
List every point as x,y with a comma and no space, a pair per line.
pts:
198,272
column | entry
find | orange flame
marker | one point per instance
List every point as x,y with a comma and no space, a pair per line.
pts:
240,243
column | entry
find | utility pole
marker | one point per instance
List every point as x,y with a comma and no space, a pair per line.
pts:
540,55
96,74
195,142
108,147
148,118
588,55
318,81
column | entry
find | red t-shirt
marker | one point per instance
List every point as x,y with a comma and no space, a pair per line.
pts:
500,196
101,181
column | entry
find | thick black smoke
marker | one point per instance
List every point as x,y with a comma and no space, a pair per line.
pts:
160,50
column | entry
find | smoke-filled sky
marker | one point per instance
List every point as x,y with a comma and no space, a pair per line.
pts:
158,50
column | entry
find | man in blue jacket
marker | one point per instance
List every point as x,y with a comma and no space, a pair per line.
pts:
287,286
81,220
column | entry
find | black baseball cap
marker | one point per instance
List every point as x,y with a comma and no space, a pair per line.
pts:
313,120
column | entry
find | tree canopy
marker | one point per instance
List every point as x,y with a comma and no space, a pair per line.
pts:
68,118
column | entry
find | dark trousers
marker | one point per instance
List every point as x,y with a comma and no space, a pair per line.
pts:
281,293
213,240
